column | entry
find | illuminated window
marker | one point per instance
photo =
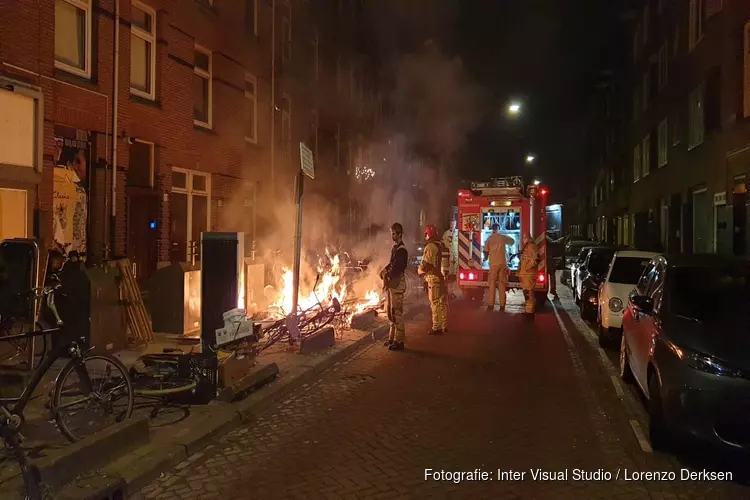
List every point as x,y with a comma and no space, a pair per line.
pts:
73,36
143,51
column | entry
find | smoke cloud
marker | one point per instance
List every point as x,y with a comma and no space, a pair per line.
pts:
407,174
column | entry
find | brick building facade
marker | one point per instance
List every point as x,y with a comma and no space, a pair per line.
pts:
204,91
676,176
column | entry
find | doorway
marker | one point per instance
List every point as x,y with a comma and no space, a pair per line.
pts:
702,222
190,213
142,244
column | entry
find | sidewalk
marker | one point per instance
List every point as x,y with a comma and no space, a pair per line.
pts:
147,446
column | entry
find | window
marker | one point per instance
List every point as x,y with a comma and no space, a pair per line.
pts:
143,51
675,125
663,66
190,213
251,17
636,103
646,152
697,15
14,213
637,163
141,165
663,142
646,92
286,34
202,92
316,55
251,94
73,36
626,230
696,117
286,124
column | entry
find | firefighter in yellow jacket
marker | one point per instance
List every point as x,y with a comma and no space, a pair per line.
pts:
430,269
527,271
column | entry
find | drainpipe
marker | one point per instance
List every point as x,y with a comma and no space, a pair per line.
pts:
273,97
115,91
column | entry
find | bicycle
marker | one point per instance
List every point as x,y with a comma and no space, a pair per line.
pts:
107,395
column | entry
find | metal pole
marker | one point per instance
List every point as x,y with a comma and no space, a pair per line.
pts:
297,241
273,98
255,214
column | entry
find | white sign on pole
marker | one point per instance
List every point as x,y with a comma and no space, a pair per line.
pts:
306,160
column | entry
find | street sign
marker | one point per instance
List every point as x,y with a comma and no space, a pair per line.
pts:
306,160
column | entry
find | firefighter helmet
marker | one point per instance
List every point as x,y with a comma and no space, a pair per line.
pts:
430,232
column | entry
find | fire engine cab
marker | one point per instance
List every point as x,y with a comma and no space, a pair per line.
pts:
516,209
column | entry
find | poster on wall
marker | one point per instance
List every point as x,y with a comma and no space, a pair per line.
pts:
71,188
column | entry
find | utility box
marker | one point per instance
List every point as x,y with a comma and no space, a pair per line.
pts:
175,299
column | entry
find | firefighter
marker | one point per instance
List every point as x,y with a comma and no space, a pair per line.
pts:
430,271
394,284
527,270
555,251
494,251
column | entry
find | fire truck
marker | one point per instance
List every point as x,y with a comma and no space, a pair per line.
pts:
516,209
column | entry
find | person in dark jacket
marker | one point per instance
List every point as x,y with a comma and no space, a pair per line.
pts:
555,251
394,283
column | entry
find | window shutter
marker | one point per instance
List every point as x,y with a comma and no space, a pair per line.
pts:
747,70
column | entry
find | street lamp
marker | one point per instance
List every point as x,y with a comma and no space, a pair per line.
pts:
530,158
514,108
536,182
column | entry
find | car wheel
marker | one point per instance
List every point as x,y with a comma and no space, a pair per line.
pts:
626,373
658,432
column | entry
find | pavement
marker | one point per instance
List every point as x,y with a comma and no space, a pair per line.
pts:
496,396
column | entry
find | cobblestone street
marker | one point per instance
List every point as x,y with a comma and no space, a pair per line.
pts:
495,393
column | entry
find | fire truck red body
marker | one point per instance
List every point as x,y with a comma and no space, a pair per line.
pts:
517,210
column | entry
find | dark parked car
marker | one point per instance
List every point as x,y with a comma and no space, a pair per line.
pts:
685,343
575,284
591,274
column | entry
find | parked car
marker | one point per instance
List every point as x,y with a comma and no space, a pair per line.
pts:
685,343
572,249
574,283
590,276
624,272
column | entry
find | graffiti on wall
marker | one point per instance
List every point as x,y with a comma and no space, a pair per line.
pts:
71,189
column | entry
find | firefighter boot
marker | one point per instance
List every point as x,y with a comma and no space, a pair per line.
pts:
435,331
396,346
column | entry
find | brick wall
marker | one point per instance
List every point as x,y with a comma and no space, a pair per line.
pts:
27,41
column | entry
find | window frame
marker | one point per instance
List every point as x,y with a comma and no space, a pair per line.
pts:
637,160
663,143
152,160
646,91
255,17
149,38
87,7
693,140
696,28
646,152
189,192
663,74
208,75
251,78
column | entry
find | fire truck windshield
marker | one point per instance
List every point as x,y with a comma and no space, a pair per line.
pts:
509,221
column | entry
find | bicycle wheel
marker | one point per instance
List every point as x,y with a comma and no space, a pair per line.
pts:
98,383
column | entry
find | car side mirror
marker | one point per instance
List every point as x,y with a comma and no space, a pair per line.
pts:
643,304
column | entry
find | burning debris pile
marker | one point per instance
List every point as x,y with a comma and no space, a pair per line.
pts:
356,289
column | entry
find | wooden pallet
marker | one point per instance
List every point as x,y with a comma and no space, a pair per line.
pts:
139,321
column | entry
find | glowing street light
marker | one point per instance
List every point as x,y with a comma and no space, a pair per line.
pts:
530,158
536,182
514,108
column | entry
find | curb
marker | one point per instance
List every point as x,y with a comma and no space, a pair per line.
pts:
130,473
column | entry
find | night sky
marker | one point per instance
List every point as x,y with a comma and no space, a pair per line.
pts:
547,54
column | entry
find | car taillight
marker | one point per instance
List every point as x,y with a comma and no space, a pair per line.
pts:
541,278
